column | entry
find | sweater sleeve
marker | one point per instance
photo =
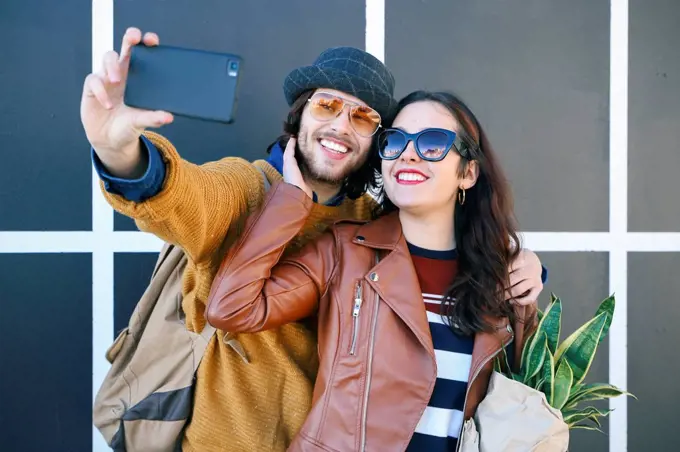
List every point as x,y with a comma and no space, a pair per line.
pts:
135,189
198,204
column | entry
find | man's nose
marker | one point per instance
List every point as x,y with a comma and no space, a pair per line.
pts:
342,122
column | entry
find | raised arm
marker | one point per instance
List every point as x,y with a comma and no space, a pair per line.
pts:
144,178
255,289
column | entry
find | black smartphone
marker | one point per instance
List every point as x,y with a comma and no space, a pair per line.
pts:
186,82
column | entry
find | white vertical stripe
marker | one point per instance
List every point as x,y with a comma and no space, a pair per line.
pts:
375,28
618,219
102,225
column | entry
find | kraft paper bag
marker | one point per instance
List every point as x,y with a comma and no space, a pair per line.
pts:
514,418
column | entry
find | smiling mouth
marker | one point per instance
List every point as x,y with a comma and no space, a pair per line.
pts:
333,146
408,178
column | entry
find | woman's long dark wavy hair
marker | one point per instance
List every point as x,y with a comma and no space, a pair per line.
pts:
358,182
485,229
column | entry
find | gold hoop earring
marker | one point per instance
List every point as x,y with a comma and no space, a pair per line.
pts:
461,196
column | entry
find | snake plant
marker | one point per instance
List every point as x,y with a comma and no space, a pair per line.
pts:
558,369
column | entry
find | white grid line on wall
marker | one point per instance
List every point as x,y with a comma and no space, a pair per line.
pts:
102,226
618,219
102,242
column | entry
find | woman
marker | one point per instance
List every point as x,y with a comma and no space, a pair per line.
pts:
401,363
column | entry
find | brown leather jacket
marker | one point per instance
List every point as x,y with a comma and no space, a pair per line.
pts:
377,364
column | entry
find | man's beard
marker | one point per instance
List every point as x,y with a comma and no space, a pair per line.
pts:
309,172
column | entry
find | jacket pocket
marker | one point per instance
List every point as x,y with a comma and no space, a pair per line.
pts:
356,319
117,345
305,443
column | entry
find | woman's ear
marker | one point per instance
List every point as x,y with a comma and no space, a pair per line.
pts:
470,175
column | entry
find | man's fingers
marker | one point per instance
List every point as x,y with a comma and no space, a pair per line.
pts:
516,278
111,67
143,118
289,152
95,87
529,298
151,39
290,146
518,290
132,37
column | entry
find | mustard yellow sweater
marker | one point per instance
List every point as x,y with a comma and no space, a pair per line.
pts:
238,406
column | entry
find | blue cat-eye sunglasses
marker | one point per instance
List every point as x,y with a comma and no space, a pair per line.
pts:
431,144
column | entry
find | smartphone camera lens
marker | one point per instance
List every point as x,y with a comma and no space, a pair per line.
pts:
233,68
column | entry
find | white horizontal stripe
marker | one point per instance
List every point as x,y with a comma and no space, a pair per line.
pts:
435,318
433,296
78,242
440,422
453,366
141,242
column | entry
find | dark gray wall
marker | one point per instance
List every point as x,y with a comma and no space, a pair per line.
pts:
45,58
653,338
654,116
535,72
45,299
46,351
654,205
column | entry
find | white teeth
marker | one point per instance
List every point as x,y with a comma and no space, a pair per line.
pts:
410,177
333,146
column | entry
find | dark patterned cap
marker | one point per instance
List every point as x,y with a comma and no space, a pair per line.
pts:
349,70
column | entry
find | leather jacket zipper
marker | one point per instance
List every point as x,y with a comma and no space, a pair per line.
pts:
370,374
355,317
369,370
474,376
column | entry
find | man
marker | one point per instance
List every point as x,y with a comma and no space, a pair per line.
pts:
253,397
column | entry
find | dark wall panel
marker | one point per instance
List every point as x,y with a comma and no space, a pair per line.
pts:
653,367
581,282
132,273
45,174
654,116
272,37
536,73
46,350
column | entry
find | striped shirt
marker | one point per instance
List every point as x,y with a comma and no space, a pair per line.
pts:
442,420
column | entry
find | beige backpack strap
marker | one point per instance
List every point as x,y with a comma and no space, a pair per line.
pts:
162,255
267,184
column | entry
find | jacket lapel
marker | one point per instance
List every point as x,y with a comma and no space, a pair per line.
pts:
395,280
394,277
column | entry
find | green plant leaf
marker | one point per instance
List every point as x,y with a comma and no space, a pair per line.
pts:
497,365
551,323
585,427
548,374
607,306
533,338
525,353
594,419
535,358
539,384
580,347
564,377
594,391
572,417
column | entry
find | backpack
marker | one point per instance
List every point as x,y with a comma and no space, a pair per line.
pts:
146,398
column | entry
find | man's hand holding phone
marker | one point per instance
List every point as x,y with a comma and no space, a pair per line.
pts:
113,128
